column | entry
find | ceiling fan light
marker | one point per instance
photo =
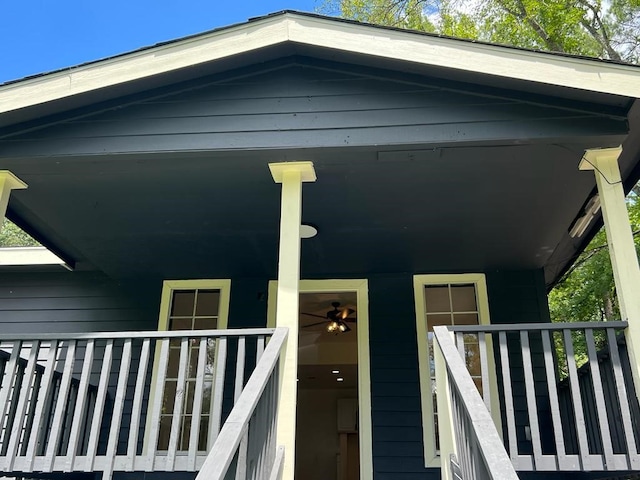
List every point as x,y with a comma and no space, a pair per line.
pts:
342,326
333,327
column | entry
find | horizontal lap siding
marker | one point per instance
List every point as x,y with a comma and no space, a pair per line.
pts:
70,302
303,106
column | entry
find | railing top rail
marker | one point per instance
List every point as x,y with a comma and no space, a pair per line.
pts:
490,446
233,332
517,327
221,455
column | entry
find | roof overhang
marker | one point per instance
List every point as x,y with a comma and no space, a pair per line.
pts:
313,31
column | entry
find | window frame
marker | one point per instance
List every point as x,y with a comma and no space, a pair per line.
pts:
431,455
168,287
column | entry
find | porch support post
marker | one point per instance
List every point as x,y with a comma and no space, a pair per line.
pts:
8,182
291,175
626,272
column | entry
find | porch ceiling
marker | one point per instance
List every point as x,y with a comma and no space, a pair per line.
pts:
216,215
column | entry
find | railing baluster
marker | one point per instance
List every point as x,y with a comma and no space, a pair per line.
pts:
17,431
564,463
240,359
532,407
197,404
118,404
508,398
96,420
136,408
218,388
259,347
6,390
181,393
78,418
37,429
576,396
154,424
603,422
627,423
484,369
241,471
61,403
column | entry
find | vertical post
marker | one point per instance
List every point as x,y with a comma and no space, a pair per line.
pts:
8,182
290,175
626,272
445,414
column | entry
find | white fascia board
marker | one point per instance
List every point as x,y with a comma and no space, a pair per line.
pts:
11,256
332,34
462,55
145,63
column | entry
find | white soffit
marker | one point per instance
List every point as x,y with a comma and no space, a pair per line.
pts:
13,256
407,46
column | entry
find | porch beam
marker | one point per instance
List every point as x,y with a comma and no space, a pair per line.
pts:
8,182
291,175
624,260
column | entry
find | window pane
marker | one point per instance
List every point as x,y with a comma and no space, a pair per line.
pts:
472,357
174,363
465,319
205,324
463,298
438,319
170,388
182,304
437,299
179,324
207,304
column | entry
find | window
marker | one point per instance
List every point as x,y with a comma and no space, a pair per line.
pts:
190,305
446,300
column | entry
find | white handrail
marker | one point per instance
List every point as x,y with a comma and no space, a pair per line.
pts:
481,452
235,427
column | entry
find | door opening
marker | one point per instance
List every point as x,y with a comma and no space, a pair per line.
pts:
327,438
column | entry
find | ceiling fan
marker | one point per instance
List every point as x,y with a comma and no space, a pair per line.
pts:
337,319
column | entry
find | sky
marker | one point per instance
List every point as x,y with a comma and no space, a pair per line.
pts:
38,36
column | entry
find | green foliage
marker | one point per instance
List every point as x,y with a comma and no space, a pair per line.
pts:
587,291
12,236
597,28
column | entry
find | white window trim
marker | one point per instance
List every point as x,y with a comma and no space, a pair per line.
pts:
431,456
168,287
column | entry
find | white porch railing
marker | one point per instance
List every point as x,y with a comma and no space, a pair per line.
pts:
566,394
87,402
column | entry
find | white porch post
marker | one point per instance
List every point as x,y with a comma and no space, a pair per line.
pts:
291,175
8,182
626,272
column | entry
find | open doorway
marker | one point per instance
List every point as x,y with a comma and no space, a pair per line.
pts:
327,443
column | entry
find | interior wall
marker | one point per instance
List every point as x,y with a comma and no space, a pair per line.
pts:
317,440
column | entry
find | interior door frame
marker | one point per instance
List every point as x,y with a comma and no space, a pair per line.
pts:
361,289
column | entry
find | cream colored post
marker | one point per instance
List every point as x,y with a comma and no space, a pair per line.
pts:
445,415
291,175
626,272
8,182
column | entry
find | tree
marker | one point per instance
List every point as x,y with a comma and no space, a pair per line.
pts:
609,29
12,236
587,291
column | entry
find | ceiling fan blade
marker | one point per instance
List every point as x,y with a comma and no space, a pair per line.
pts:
313,315
314,324
346,312
351,320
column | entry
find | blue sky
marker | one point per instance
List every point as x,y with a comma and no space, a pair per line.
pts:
42,35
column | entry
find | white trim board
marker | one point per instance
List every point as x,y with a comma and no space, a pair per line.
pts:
337,35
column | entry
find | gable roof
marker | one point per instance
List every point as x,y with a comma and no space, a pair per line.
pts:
373,44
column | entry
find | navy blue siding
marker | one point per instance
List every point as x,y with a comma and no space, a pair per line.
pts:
303,106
